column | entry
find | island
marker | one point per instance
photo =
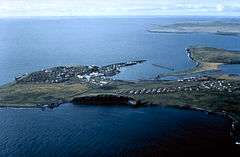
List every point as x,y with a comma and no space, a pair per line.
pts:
93,85
215,27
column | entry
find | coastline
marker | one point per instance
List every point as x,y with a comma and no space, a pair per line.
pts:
235,120
212,95
203,66
199,68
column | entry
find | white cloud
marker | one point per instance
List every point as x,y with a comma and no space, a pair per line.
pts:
220,7
117,7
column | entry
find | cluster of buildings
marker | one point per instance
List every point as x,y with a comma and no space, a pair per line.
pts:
57,74
62,74
219,85
186,85
74,74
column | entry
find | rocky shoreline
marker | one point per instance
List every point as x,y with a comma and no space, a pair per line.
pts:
102,99
118,100
129,101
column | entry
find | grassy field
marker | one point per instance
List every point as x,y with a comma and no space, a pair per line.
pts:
33,94
190,93
214,55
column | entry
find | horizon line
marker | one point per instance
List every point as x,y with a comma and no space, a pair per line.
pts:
114,16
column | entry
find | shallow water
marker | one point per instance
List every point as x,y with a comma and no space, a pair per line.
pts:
109,131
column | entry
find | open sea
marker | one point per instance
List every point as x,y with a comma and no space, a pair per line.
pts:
31,44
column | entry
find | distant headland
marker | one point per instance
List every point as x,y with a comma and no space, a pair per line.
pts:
217,27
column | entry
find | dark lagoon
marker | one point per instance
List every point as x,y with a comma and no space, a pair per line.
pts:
28,45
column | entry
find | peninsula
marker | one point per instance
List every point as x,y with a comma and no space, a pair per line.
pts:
217,27
207,59
94,85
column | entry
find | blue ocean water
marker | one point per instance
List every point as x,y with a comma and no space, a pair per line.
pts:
110,131
31,44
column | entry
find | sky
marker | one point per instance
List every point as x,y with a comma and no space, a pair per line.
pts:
15,8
